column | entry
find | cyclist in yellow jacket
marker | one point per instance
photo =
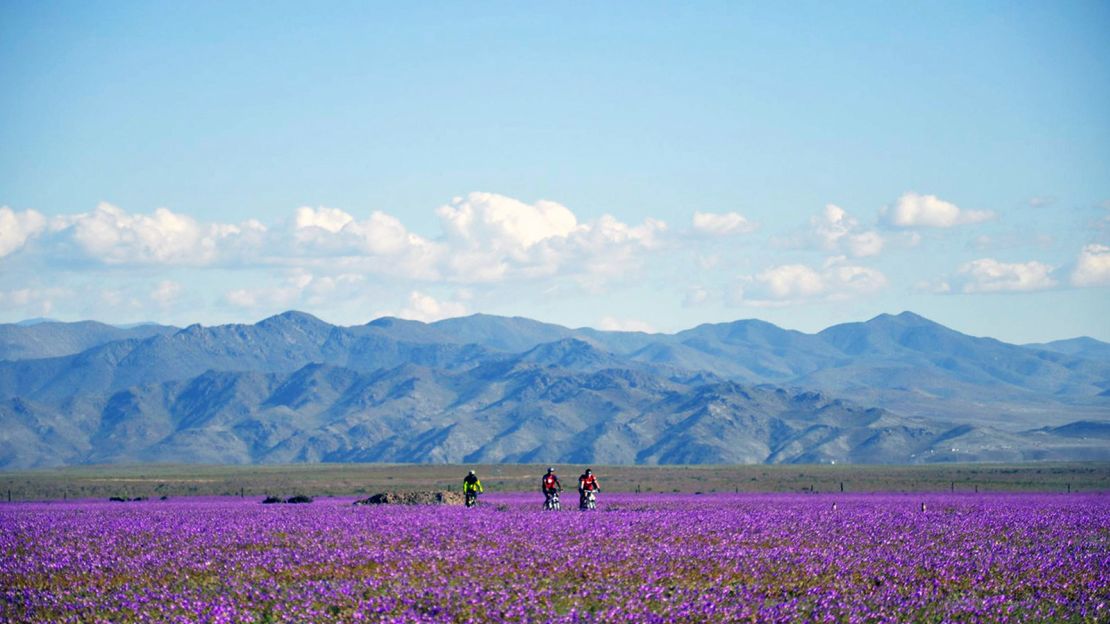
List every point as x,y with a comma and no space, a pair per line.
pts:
472,487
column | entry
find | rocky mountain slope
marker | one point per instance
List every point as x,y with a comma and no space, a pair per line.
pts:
292,388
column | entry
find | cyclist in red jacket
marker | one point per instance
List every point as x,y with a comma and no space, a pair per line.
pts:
550,487
587,483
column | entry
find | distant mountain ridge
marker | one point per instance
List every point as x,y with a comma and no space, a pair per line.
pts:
485,388
1083,346
39,338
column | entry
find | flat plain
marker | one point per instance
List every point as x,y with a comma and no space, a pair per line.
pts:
154,481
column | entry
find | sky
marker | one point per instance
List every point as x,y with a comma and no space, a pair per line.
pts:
632,166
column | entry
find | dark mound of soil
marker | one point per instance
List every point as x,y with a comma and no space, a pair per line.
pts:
300,498
413,497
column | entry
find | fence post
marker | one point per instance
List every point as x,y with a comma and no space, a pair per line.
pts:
841,486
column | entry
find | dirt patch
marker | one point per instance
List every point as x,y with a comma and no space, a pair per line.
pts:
413,497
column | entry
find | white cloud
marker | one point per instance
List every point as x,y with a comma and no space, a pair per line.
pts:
610,323
116,237
1093,266
789,284
112,235
17,227
609,246
328,219
838,231
423,307
380,244
486,238
914,210
333,231
722,224
493,238
497,222
990,275
385,235
791,281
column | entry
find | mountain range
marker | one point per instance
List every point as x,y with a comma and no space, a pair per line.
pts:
293,388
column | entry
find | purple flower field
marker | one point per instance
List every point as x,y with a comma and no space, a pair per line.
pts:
639,557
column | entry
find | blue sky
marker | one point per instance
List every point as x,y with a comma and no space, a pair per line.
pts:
638,165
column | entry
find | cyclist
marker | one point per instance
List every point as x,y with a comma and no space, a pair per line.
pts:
586,483
550,487
472,487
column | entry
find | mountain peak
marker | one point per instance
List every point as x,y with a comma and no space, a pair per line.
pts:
387,322
902,318
295,317
295,322
889,333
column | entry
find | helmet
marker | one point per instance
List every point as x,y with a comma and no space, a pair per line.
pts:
550,470
588,471
471,472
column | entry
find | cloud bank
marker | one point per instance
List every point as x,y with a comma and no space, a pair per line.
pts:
485,238
497,246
